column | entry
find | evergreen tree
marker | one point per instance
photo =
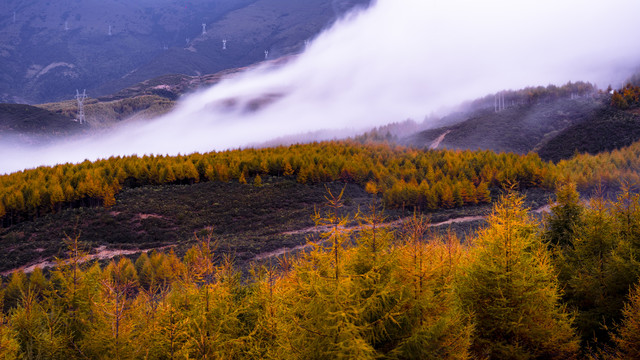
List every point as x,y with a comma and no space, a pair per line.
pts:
628,337
565,218
593,281
432,324
509,288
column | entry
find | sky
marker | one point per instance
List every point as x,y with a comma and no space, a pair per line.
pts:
397,60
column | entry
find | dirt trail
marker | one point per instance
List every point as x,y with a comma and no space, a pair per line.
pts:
321,229
434,145
102,253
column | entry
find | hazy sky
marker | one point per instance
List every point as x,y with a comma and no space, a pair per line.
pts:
400,59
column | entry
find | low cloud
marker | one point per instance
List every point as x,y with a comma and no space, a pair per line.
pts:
398,59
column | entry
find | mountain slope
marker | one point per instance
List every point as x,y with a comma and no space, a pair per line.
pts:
52,48
31,124
519,129
608,130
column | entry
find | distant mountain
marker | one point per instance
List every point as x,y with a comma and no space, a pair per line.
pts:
51,48
146,99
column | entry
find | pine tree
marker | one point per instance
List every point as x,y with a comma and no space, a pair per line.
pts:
483,194
242,179
288,170
111,332
9,346
432,325
628,337
257,181
591,277
565,218
509,287
323,304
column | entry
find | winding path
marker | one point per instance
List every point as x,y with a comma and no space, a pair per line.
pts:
102,253
434,145
321,229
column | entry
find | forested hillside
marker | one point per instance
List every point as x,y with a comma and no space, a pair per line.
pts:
562,288
515,289
404,176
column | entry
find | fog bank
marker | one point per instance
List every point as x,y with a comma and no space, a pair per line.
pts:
399,59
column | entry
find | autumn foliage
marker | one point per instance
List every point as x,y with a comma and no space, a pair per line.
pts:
626,98
375,292
404,176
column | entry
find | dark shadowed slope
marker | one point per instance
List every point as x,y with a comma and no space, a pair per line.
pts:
519,129
30,124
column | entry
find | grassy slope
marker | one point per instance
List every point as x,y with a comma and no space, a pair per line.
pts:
554,130
247,220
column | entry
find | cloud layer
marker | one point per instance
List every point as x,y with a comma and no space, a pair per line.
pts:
399,59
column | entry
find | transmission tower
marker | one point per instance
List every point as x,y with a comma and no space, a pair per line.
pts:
66,26
266,54
204,29
224,44
80,97
498,102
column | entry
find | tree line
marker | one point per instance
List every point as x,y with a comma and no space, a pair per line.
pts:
606,170
405,176
538,94
567,289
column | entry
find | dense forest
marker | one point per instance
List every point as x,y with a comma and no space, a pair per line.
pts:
567,289
404,176
607,170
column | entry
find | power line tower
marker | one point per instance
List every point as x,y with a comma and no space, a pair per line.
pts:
498,103
224,44
266,54
66,26
80,97
204,29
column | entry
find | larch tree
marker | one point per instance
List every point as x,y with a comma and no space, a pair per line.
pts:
431,324
510,289
565,217
628,337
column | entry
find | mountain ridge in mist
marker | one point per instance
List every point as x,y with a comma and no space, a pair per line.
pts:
44,62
